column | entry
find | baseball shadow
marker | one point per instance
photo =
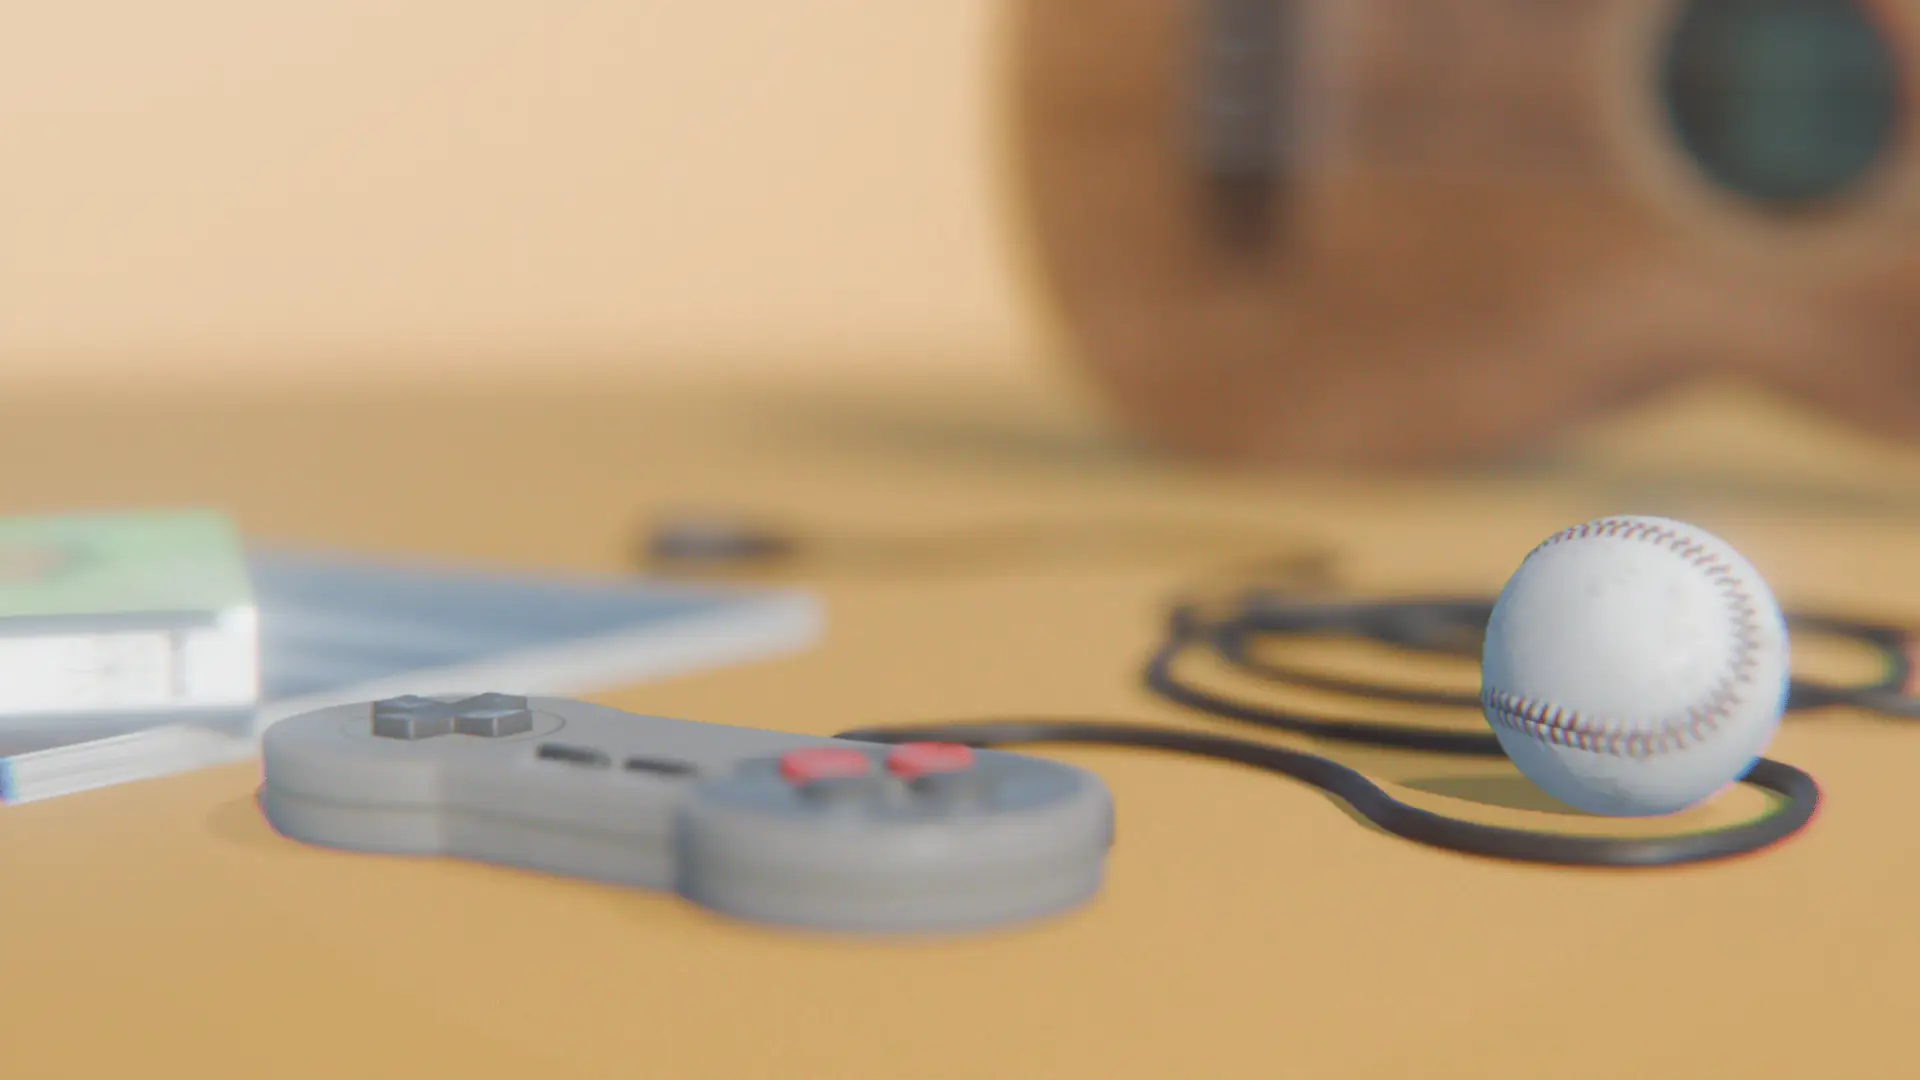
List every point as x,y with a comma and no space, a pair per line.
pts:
1484,793
1505,792
1489,792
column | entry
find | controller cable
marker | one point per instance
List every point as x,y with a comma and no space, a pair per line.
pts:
1451,627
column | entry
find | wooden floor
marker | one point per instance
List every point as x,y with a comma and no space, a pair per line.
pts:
1250,928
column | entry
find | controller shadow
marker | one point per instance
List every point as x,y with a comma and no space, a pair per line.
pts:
241,821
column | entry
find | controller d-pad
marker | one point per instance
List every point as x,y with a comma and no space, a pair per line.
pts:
487,716
412,717
493,716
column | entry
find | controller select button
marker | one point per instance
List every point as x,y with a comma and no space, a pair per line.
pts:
659,766
817,763
911,761
493,716
412,717
583,756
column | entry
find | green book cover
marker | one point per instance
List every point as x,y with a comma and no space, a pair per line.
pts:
146,562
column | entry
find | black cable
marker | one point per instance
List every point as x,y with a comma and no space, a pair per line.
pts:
1454,627
1801,795
1445,626
1798,792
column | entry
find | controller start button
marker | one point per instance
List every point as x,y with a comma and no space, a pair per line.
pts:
911,761
818,763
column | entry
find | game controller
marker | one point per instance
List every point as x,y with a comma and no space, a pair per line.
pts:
789,830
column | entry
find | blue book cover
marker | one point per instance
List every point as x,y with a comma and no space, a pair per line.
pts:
341,629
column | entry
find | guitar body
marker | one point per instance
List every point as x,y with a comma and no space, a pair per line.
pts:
1392,232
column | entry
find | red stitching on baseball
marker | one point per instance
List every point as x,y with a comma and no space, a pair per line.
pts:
1558,726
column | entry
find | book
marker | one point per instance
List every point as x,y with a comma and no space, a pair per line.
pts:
335,629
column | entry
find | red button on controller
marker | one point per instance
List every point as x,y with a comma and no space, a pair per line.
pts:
823,763
913,760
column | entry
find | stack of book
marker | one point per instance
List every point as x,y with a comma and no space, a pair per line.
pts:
113,625
140,645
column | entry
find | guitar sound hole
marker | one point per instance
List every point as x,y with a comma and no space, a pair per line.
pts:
1790,104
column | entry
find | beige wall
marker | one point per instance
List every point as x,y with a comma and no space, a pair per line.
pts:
224,186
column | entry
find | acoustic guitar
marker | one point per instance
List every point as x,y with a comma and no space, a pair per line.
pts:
1392,232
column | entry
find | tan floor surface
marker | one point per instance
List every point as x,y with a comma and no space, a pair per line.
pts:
1250,928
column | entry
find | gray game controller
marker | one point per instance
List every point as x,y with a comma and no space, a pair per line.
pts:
789,830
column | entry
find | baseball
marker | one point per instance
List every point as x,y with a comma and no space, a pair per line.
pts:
1634,666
